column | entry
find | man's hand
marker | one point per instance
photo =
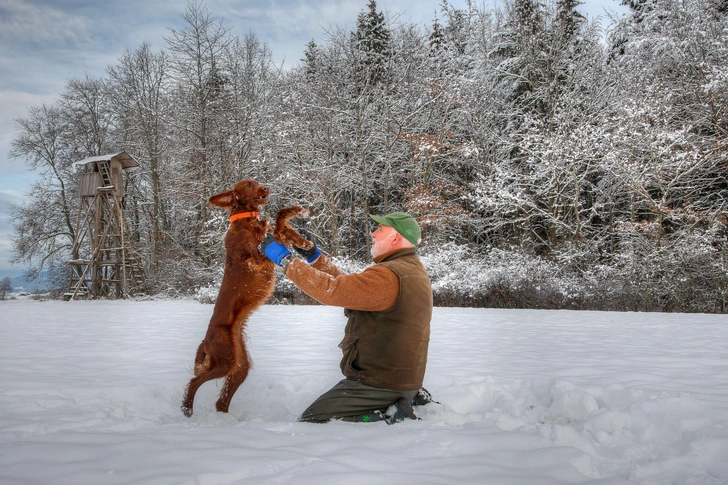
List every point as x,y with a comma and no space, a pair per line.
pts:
273,250
311,254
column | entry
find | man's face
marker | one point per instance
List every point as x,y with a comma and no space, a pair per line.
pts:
383,238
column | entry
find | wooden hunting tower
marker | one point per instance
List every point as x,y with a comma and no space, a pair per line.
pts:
104,260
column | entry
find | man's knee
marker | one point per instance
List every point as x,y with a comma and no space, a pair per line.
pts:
312,416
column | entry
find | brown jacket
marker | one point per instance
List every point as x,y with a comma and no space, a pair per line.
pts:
389,306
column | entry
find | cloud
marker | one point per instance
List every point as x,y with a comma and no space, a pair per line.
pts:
13,105
288,25
309,18
23,23
43,45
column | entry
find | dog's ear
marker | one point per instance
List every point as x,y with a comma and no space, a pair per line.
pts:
224,200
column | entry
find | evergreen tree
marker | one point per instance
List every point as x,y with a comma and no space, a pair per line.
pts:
568,19
436,38
310,58
371,41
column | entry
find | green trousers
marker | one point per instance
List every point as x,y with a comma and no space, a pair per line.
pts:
350,398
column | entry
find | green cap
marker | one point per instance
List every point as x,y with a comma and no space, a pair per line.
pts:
403,224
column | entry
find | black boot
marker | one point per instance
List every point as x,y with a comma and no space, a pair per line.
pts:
370,417
399,411
423,397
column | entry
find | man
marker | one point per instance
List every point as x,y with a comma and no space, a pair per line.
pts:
389,307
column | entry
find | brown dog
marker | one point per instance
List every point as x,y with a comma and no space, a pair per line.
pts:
247,283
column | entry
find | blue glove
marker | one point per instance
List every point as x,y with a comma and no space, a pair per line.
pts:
273,250
312,253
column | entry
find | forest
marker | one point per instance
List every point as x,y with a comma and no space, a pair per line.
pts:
550,164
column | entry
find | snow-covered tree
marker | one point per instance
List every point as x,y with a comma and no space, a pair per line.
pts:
50,138
139,92
517,138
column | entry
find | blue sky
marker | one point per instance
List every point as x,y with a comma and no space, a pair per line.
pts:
45,42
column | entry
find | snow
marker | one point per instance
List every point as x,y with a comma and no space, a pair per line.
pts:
90,394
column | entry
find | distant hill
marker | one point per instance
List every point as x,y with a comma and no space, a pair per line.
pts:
22,285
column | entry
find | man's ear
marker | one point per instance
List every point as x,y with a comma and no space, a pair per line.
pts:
224,200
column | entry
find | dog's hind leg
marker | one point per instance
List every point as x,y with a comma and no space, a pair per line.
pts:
194,385
240,367
236,377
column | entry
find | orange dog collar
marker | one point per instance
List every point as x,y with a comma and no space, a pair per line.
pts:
243,215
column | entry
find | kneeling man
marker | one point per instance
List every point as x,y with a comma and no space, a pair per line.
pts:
389,308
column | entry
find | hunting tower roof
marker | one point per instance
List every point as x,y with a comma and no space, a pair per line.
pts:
126,160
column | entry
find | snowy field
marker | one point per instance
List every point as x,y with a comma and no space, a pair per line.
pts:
90,394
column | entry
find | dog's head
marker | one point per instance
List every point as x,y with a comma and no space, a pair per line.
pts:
247,195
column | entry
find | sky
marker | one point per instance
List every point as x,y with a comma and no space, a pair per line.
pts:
43,43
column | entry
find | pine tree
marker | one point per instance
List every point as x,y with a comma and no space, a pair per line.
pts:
436,39
310,58
372,41
568,19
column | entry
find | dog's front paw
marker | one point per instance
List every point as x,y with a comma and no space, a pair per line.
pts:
304,244
301,213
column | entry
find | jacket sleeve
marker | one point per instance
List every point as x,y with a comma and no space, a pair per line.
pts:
323,263
374,289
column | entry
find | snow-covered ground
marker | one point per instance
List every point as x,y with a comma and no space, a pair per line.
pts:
90,394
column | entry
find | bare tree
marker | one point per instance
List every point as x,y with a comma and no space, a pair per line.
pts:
199,76
138,89
86,109
45,226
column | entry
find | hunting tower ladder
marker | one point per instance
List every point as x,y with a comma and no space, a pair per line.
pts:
105,262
